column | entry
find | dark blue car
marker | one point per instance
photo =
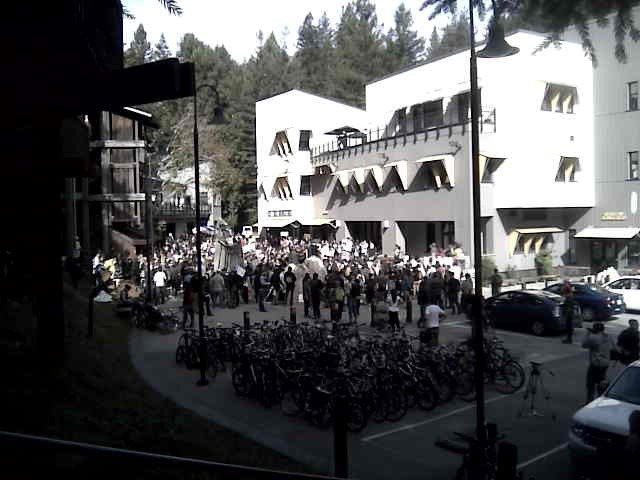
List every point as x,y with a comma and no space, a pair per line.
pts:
596,303
536,311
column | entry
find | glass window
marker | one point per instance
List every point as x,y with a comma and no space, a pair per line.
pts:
305,185
401,120
633,252
572,247
305,136
632,96
627,387
634,174
418,118
433,115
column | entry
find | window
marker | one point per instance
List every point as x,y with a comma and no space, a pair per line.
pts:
281,144
418,118
305,185
464,103
567,169
634,174
305,136
432,113
401,120
559,98
632,96
571,260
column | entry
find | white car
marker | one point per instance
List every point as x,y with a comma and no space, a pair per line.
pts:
629,288
604,423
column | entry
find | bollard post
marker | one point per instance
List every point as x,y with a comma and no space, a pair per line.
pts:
409,318
507,461
546,282
373,312
523,285
246,321
292,315
340,452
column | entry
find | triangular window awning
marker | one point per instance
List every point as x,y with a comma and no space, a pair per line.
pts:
281,145
281,188
489,163
343,177
528,237
567,169
442,168
377,173
402,171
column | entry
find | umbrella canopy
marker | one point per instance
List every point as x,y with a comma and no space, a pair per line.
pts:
343,131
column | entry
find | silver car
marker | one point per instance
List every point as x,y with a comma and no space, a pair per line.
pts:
603,424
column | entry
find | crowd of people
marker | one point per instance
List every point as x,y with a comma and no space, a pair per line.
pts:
338,275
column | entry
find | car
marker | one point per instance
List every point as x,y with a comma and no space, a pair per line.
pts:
537,311
629,288
596,303
604,422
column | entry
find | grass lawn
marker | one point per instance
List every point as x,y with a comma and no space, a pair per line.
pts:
98,397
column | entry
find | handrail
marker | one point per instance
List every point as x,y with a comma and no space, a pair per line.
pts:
387,133
154,458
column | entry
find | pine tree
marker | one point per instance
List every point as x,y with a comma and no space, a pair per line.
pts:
315,57
139,50
454,37
360,51
404,45
161,49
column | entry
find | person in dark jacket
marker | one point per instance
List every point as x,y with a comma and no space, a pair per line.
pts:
567,311
354,298
453,292
629,343
306,293
423,299
316,287
290,285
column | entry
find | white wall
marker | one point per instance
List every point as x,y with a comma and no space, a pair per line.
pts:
294,111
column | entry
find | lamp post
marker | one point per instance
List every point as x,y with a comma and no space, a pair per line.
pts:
218,118
496,47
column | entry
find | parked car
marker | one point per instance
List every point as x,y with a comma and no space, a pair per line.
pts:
537,311
629,288
596,303
604,422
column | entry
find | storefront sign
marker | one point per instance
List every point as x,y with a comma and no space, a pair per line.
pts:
613,216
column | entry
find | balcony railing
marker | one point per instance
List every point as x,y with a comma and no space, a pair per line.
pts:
174,211
392,135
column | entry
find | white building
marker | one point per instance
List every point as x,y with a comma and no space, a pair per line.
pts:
406,179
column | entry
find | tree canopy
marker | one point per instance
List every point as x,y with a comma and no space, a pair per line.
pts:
556,16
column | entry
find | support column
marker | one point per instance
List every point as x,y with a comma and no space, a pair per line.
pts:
85,238
70,215
105,179
391,236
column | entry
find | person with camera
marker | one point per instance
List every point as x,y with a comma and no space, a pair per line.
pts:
599,345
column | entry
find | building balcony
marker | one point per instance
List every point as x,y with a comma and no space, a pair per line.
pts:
386,137
175,212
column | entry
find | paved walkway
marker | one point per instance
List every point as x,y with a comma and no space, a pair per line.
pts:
402,450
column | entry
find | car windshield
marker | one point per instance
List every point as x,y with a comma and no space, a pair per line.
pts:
597,288
627,387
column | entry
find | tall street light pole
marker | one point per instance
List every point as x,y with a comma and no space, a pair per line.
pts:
218,118
496,47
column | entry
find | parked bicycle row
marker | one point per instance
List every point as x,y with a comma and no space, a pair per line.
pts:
311,370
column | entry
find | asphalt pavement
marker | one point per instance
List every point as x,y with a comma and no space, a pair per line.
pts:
400,450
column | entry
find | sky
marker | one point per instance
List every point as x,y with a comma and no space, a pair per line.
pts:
236,23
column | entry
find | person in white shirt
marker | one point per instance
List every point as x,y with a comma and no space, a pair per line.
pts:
433,314
160,285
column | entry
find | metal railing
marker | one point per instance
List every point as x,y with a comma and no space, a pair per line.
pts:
136,457
181,211
391,134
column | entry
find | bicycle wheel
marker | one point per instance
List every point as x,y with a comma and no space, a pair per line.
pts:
510,377
241,380
291,402
356,416
427,396
180,354
396,405
378,408
191,358
212,364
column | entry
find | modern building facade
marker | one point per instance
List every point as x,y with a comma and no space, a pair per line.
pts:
399,173
608,233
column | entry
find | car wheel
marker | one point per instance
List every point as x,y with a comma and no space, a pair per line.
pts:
588,314
538,327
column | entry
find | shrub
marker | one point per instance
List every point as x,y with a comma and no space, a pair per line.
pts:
488,266
544,262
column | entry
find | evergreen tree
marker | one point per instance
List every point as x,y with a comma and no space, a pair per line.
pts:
360,51
139,50
315,57
161,49
454,37
404,45
270,68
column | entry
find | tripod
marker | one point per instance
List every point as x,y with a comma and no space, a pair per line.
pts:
534,385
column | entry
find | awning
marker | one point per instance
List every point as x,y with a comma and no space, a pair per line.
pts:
401,168
526,231
343,177
608,232
378,175
440,162
278,222
316,222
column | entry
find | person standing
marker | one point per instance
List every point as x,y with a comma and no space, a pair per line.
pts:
265,282
354,298
423,299
306,293
629,343
393,300
216,287
433,314
599,345
187,302
496,283
453,291
290,284
567,311
276,286
160,285
466,287
316,286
